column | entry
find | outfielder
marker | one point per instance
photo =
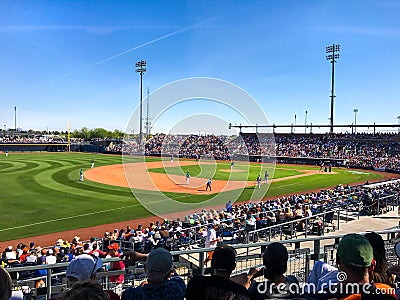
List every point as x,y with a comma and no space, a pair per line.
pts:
187,178
81,175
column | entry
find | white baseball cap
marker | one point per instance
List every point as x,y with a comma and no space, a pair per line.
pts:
83,267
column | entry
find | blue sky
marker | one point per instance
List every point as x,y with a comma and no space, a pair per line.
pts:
74,60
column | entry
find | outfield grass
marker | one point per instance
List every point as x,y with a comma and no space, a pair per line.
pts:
40,193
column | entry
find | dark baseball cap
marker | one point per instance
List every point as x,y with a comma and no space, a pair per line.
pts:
275,255
224,258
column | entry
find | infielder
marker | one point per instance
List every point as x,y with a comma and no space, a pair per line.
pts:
259,181
92,164
187,178
208,184
81,175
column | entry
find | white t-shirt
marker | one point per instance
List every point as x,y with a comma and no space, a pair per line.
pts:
211,235
11,255
31,258
51,259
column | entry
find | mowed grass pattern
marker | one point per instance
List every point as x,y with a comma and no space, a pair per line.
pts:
40,193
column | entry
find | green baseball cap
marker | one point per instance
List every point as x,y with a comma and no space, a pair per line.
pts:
355,250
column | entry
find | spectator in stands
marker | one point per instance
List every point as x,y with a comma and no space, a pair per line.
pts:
32,256
116,280
355,259
219,285
50,258
82,270
83,267
9,253
276,284
97,252
381,267
211,239
288,214
25,253
322,274
162,280
86,290
5,284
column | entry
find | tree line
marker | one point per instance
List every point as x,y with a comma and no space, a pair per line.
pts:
85,133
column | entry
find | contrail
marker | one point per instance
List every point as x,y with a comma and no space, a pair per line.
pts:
131,49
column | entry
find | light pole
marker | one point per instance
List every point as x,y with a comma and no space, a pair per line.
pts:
141,68
147,113
305,122
15,117
355,119
332,49
295,118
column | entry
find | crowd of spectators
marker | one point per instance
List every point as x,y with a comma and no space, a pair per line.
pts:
380,151
171,234
31,139
361,272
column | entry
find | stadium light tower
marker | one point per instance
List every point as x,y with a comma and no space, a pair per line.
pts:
15,118
398,123
355,111
305,122
141,68
148,114
332,49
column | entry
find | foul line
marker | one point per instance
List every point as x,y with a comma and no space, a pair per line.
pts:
67,218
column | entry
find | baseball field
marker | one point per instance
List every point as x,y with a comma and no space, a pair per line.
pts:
41,192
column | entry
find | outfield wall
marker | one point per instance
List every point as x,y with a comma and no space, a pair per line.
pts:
18,147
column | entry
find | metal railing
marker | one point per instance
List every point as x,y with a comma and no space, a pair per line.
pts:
336,214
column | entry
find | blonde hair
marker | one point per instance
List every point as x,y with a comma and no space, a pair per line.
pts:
5,284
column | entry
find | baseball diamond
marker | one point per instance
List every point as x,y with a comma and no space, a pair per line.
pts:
47,186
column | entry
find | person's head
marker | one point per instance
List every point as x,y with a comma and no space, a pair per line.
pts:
85,290
354,257
379,252
215,224
113,249
5,284
223,260
275,260
83,267
158,266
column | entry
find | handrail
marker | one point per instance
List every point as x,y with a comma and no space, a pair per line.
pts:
289,241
